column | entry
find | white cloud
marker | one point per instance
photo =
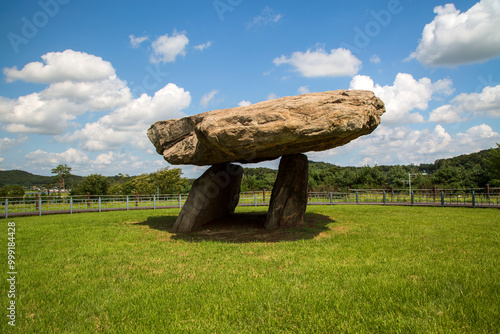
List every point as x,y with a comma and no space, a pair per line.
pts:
478,137
455,38
33,114
244,103
137,41
167,48
95,95
486,103
79,82
403,145
63,66
207,98
404,96
44,160
7,143
127,125
375,59
303,90
319,63
266,16
446,114
203,46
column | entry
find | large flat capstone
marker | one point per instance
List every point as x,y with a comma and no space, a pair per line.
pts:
269,129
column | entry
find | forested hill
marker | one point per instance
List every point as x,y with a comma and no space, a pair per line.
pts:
464,171
25,179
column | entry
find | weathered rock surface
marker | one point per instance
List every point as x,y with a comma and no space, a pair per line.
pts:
213,195
289,197
269,129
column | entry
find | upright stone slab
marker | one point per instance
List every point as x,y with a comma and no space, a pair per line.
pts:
213,195
289,196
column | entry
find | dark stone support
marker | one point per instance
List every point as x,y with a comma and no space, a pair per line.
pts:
214,195
289,196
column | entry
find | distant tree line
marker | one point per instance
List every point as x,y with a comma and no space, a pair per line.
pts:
164,181
474,170
466,171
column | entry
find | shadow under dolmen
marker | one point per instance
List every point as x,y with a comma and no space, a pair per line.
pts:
243,228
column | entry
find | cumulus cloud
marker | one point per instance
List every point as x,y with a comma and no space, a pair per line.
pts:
319,63
7,143
455,38
137,41
478,137
446,114
128,124
403,145
63,66
266,16
33,114
203,46
167,48
405,95
44,160
244,103
207,98
78,82
96,95
464,106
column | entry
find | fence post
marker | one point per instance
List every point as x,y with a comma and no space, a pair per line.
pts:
357,197
473,199
71,205
88,200
331,198
99,203
127,203
37,197
442,198
412,198
6,208
40,206
180,200
384,197
255,200
136,199
264,195
154,202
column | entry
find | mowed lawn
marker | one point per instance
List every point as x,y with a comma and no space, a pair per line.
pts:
351,269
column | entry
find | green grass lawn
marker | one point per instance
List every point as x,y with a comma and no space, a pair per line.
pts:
350,269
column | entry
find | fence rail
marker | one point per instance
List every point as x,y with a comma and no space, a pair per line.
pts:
69,205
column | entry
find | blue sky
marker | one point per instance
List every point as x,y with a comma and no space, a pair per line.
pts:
82,81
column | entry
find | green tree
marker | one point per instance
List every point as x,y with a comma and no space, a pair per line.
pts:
94,184
169,181
62,174
454,177
493,164
14,191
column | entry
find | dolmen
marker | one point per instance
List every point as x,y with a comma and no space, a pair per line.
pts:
286,127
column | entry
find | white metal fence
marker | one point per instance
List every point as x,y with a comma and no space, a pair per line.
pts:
57,205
